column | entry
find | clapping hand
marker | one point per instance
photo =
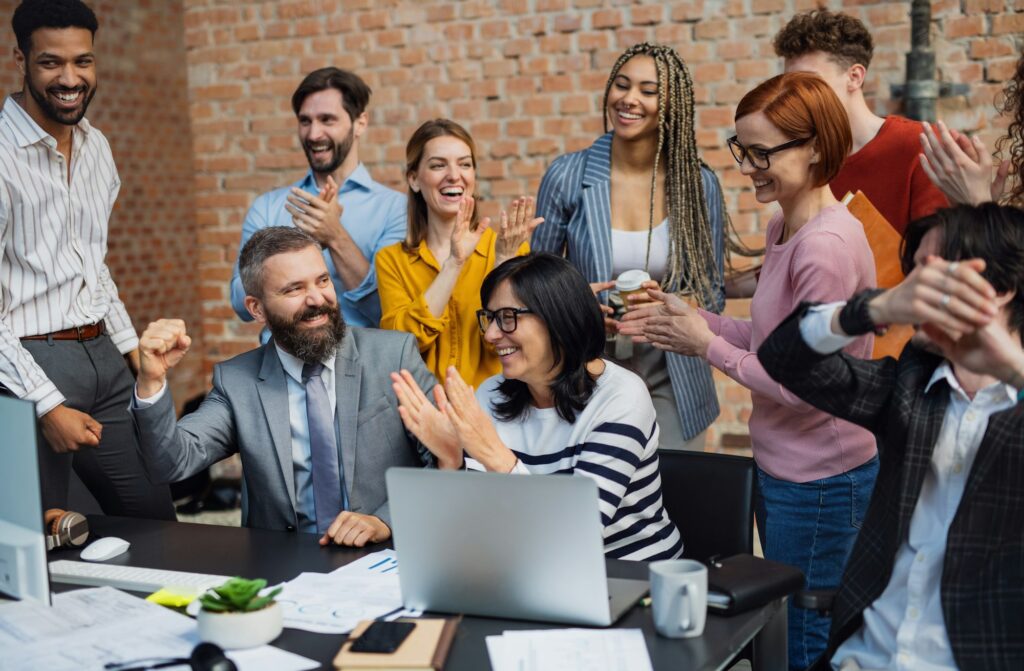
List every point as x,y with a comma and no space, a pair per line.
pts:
607,311
464,240
319,216
671,325
473,426
950,295
961,166
513,228
428,423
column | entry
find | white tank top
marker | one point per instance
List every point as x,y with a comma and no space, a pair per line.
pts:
629,251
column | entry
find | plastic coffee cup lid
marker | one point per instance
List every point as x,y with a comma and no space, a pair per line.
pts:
631,280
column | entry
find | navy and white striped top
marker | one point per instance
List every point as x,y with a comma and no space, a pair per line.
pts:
614,440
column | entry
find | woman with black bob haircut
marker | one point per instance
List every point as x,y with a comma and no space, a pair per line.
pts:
556,407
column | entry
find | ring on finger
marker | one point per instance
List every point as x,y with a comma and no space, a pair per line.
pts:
951,268
944,301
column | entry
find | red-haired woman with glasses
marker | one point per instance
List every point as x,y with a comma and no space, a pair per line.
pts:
815,472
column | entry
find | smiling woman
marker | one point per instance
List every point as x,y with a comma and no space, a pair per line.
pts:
815,472
429,284
556,407
640,198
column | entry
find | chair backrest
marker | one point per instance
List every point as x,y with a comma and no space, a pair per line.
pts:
710,497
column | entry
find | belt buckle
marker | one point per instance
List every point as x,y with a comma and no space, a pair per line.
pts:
81,335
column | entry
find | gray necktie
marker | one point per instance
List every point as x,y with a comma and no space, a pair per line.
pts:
327,487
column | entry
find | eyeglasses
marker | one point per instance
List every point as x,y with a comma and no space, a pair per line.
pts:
759,158
508,318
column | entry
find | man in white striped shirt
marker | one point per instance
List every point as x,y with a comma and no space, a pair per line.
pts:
64,333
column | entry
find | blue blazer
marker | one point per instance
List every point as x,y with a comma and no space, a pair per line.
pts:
574,200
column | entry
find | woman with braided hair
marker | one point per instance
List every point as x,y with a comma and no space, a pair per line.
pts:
641,198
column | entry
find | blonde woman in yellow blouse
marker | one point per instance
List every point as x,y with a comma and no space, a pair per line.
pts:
429,285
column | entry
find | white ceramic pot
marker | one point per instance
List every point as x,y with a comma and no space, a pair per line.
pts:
234,631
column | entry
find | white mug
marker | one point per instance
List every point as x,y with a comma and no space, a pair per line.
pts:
679,597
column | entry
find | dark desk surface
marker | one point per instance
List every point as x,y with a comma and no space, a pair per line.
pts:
279,556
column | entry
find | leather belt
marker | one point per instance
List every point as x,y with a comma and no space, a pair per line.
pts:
87,332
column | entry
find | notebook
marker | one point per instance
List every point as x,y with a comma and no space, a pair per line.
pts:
425,648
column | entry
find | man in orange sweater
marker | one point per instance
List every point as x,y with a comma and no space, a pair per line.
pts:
883,162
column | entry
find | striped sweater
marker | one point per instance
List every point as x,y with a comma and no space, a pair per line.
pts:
614,440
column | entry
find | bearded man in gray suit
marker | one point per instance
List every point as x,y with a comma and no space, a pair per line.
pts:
312,412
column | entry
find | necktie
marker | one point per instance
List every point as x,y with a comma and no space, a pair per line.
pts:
327,484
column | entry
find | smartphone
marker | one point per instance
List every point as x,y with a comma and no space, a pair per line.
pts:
383,637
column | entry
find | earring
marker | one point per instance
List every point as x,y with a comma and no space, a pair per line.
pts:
415,189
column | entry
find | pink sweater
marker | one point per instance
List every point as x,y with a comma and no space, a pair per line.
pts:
827,260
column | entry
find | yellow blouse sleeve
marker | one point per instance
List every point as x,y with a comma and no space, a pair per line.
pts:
403,307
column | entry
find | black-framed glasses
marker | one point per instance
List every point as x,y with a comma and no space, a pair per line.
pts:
758,157
508,318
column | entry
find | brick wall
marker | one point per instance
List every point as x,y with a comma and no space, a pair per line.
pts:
525,76
141,106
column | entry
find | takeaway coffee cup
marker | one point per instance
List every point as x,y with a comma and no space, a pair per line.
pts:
629,283
679,597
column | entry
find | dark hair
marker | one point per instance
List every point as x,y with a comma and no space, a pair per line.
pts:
416,213
1012,105
263,244
988,231
802,104
355,94
559,296
845,39
31,15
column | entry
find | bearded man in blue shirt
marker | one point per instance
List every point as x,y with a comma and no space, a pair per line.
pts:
337,202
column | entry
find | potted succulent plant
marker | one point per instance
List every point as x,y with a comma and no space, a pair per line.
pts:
236,616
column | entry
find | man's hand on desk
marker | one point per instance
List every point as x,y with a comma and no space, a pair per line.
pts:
67,429
356,530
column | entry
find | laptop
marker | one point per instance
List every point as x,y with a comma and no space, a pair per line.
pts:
511,546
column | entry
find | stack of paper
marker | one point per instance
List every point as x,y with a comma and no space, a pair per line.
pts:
86,628
569,649
334,603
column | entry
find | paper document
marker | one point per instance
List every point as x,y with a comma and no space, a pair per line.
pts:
569,650
384,562
327,603
87,628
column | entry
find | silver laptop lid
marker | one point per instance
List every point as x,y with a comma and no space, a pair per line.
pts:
513,546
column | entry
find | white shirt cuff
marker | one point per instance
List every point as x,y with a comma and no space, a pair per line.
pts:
816,329
139,403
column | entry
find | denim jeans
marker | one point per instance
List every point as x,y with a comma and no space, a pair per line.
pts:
812,525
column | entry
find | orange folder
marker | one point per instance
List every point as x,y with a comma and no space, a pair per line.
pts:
885,247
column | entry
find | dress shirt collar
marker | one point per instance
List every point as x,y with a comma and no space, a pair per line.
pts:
360,178
293,365
29,132
945,372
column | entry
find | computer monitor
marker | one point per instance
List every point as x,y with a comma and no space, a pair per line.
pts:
23,571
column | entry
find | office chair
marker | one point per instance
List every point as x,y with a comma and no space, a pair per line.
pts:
710,498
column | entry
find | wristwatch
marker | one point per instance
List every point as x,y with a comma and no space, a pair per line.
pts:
855,319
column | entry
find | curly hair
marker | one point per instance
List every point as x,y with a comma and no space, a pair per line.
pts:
1011,145
31,15
845,39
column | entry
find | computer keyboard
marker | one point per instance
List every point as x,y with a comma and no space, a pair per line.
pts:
131,578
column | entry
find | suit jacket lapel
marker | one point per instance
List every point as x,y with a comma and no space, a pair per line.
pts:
347,382
273,392
925,424
596,194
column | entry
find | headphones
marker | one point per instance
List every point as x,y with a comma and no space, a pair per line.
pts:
64,529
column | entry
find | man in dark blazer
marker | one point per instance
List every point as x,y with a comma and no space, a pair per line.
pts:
266,404
936,578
